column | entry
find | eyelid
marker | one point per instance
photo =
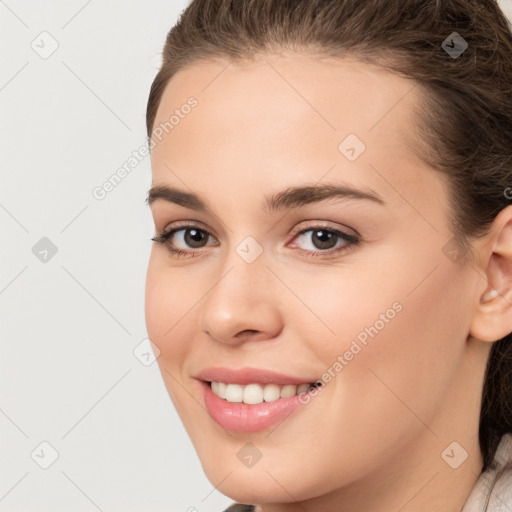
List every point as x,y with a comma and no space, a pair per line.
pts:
303,226
352,241
182,224
310,224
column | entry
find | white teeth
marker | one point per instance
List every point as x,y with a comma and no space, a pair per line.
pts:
271,393
234,393
303,388
253,394
256,393
288,391
221,389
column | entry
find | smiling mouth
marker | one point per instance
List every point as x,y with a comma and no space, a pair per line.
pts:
258,393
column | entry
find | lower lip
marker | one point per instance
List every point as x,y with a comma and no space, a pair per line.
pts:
240,417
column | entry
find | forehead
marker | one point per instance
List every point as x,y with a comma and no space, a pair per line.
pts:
288,116
340,92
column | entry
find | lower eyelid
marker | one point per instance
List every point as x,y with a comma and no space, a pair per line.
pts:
350,240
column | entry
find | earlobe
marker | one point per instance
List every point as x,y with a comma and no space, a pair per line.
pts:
492,319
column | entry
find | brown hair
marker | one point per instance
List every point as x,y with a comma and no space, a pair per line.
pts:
465,116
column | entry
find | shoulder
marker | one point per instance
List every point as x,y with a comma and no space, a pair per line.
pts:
493,489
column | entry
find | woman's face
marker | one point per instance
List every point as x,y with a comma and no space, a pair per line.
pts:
378,314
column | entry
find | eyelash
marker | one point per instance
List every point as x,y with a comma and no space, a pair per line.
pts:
352,240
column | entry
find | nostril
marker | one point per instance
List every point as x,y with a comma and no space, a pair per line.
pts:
247,331
251,335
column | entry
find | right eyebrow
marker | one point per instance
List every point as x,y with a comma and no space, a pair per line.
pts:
176,196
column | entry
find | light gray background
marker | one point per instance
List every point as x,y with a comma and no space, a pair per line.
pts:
70,324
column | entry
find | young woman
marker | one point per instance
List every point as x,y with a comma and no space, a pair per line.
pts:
330,286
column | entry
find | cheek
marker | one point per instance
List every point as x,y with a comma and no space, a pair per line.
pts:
167,302
409,362
389,338
156,298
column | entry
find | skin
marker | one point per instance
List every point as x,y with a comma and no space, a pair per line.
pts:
372,439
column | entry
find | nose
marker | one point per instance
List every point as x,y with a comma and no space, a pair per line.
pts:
242,304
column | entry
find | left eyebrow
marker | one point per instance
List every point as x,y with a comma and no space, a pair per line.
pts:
292,197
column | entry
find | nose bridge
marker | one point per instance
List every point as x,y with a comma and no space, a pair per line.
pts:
241,298
242,276
244,260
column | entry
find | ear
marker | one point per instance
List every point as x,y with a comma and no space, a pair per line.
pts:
492,319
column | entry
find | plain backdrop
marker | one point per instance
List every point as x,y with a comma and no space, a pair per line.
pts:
86,423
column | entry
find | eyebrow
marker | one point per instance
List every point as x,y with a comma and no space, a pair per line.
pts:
292,197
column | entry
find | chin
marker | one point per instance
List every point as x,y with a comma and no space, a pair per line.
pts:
251,489
262,483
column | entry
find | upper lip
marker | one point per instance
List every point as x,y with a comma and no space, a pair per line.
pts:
248,376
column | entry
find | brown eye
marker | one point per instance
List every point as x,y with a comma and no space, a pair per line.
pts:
323,239
184,240
188,240
194,238
320,239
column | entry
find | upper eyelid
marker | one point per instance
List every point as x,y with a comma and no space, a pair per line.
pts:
310,227
351,241
191,225
186,222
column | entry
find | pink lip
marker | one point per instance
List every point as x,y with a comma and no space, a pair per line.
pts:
249,376
240,417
